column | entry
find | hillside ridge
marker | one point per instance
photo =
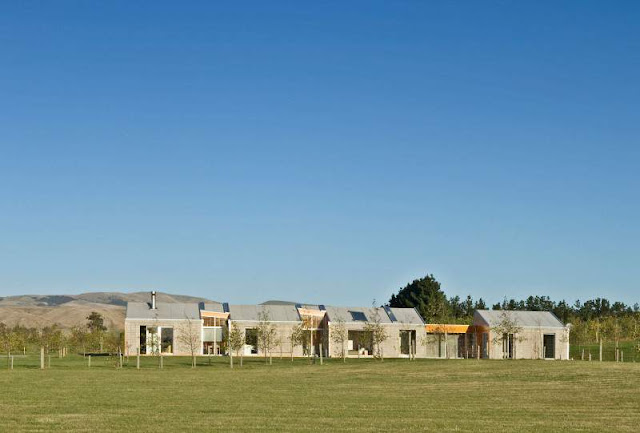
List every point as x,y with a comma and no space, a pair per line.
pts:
70,310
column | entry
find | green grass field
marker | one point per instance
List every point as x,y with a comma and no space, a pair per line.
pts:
361,395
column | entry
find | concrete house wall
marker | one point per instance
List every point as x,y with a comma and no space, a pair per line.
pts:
530,344
391,347
393,320
283,333
180,328
282,317
181,317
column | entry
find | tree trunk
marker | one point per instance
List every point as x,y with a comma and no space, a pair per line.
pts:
601,350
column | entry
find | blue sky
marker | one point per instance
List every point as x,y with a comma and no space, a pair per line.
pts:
324,152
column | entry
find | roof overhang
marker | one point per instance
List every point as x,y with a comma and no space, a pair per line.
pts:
436,328
310,312
215,314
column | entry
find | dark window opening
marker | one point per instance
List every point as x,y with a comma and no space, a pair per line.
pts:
507,346
251,339
485,345
359,343
166,340
549,342
143,340
407,342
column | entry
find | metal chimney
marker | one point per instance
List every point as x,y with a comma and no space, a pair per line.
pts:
153,300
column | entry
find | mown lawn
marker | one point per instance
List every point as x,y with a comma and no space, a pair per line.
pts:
361,395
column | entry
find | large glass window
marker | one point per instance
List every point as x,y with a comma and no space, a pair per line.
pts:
214,321
407,342
360,342
153,340
212,334
251,339
166,340
507,346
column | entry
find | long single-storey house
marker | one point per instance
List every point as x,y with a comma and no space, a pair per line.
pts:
203,328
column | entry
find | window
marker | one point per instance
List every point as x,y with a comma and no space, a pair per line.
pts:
549,346
213,321
358,316
212,334
153,341
143,340
507,346
360,343
407,342
166,340
251,339
485,345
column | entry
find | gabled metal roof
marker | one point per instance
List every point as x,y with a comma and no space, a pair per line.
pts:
164,310
216,307
388,315
525,319
407,316
344,313
276,313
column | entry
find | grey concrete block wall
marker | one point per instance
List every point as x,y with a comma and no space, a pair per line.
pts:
529,344
283,334
390,347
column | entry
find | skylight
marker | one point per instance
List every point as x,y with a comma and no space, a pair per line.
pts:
358,316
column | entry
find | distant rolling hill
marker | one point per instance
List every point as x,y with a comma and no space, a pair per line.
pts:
70,310
277,302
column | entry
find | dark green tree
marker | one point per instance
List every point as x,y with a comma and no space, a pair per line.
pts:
426,296
95,322
480,305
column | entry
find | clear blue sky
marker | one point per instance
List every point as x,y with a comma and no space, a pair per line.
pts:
324,152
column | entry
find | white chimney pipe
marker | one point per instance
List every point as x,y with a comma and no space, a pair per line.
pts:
153,300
